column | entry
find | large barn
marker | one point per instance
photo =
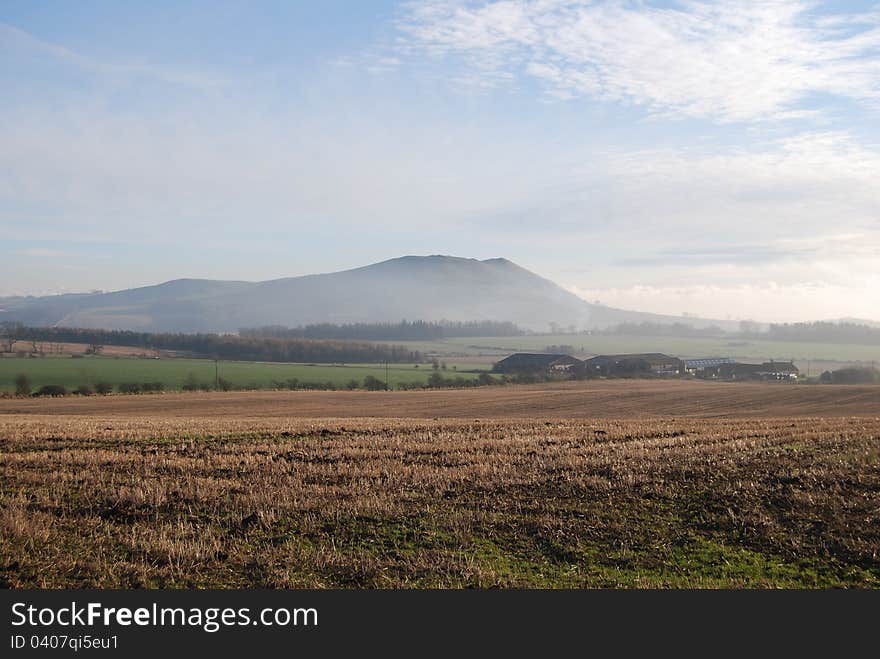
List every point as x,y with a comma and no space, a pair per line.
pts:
698,366
537,362
654,363
784,371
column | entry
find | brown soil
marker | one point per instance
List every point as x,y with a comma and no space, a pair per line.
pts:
571,400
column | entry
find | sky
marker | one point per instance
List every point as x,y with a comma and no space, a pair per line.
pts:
712,159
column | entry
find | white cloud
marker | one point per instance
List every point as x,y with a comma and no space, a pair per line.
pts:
788,230
804,185
42,252
641,204
768,302
740,60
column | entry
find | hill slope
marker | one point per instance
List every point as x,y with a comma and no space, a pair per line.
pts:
412,287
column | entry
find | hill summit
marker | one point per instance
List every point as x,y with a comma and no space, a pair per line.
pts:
430,288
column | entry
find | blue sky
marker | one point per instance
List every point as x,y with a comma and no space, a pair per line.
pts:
708,158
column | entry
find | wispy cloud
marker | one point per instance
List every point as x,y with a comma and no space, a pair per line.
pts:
39,252
13,39
733,61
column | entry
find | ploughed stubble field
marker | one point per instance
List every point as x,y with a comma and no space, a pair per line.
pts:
142,501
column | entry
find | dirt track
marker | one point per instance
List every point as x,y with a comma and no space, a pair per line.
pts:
607,399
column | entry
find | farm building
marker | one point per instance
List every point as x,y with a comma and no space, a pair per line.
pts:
783,371
654,363
695,366
537,362
778,371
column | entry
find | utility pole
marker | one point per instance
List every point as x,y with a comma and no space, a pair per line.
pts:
216,373
387,383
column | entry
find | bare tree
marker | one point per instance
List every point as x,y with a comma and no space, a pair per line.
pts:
23,385
9,334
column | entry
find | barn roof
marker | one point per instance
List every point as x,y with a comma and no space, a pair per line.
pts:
766,367
703,362
651,357
535,360
780,367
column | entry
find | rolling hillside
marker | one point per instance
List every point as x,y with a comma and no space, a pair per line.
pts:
411,287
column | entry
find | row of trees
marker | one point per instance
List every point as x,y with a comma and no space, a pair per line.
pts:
222,346
438,381
825,332
23,386
418,330
852,375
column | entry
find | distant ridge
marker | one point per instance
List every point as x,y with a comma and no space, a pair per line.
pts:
435,287
857,321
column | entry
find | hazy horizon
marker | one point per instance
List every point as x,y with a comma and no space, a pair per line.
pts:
715,160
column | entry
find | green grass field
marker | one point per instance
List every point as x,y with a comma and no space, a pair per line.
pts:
678,346
173,373
461,354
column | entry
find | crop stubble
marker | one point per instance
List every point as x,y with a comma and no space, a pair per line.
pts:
121,500
563,400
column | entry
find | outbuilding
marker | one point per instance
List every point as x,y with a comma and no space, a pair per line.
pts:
537,362
654,363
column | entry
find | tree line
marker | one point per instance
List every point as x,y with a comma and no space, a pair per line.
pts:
219,346
23,386
851,375
818,332
824,331
418,330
